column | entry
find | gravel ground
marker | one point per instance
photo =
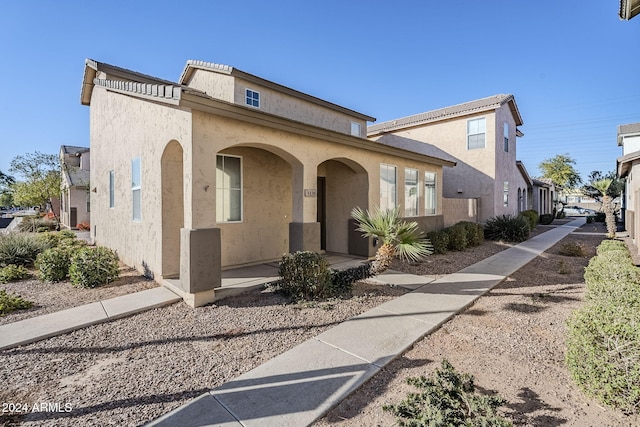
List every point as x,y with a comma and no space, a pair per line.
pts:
133,370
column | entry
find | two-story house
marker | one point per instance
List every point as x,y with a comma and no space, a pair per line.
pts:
223,169
75,201
628,168
481,137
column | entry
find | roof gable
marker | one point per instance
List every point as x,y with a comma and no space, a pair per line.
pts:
459,110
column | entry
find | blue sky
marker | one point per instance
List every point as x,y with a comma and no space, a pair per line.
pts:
572,66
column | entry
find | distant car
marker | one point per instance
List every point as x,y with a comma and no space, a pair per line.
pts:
589,211
573,210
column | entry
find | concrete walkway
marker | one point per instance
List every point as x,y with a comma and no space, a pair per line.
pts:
301,385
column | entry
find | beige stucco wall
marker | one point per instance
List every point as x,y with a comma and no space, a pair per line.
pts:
74,198
123,128
456,210
505,166
216,85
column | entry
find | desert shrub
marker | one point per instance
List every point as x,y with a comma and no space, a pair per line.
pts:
599,217
305,275
439,240
457,237
449,399
341,281
603,354
84,226
532,217
12,273
575,249
53,264
612,277
19,249
12,302
91,267
474,233
66,234
546,219
49,239
508,228
612,245
35,224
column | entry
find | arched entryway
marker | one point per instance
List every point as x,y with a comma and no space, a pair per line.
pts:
172,176
342,185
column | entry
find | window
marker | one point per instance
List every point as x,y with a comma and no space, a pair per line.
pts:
475,133
136,189
430,193
88,201
506,137
228,189
355,129
387,187
410,192
112,187
252,98
505,195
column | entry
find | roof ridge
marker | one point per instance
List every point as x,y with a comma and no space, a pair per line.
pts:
149,89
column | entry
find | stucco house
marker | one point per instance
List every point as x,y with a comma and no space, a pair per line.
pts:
480,136
223,168
628,168
75,203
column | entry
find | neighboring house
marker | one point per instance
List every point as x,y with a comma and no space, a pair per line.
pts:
544,196
628,168
75,206
629,9
480,136
223,168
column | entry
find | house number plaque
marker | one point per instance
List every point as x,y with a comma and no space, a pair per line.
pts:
310,192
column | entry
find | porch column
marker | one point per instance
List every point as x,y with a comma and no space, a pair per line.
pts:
304,230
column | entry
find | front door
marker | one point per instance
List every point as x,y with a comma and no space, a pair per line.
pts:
322,211
73,221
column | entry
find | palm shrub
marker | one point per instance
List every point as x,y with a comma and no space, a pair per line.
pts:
91,267
448,399
12,273
399,238
439,240
19,249
602,186
508,228
532,216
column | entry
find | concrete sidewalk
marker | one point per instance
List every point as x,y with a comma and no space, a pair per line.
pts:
301,385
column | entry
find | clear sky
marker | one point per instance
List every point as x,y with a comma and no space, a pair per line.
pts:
573,66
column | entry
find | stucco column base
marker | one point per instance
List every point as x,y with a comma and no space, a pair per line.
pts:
304,236
200,263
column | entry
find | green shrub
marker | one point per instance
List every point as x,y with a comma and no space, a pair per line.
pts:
91,267
546,219
612,277
575,249
19,249
591,219
11,302
508,228
531,216
13,273
603,354
612,245
457,237
600,217
66,234
36,224
439,240
341,281
449,399
49,239
53,264
474,233
305,275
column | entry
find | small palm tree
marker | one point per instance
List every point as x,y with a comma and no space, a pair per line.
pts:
399,238
602,186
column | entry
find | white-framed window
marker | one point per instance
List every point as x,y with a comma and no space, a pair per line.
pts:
356,129
112,189
252,98
476,129
136,190
410,192
430,193
88,200
506,137
388,187
505,194
228,188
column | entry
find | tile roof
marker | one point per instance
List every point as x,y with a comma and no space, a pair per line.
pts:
630,128
478,105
